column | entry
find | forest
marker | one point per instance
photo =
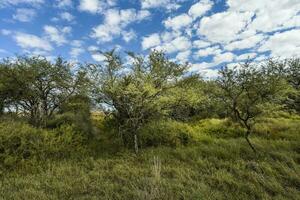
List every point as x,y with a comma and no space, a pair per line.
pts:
148,128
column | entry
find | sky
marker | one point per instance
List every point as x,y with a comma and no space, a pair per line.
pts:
207,34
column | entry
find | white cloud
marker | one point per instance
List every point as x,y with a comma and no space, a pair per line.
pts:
114,23
283,44
245,43
167,36
224,27
98,57
96,54
75,52
64,3
128,35
92,6
224,57
151,41
67,16
205,69
200,8
270,15
57,35
4,3
6,32
183,56
28,41
246,56
208,51
178,22
168,4
95,6
24,14
200,44
181,43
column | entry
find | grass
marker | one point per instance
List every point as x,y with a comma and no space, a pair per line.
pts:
217,166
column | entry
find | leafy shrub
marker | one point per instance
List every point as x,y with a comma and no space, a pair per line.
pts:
168,132
20,142
219,128
278,128
80,122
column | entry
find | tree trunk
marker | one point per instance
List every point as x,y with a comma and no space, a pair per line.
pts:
136,146
1,108
247,138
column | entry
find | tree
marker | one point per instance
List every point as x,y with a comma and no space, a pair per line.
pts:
39,87
133,95
247,88
293,78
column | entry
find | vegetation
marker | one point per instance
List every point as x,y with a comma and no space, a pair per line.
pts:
148,129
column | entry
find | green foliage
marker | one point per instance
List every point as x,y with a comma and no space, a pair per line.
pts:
219,128
20,142
133,96
75,112
167,132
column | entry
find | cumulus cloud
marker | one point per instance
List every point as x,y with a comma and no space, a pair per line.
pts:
64,3
224,57
67,16
24,15
128,35
4,3
270,15
283,44
200,44
178,22
208,51
151,41
168,4
95,6
183,56
224,27
200,8
56,35
181,43
32,42
246,56
245,43
115,21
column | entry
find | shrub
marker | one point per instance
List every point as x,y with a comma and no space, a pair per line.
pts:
20,142
81,123
219,128
168,132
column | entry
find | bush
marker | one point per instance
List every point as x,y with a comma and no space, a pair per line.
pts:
219,128
20,142
81,123
170,133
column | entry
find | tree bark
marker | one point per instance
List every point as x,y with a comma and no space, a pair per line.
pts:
136,146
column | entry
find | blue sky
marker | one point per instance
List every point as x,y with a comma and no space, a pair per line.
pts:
205,33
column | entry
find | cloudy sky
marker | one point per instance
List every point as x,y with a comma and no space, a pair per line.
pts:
206,33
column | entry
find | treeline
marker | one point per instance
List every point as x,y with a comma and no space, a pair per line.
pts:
48,94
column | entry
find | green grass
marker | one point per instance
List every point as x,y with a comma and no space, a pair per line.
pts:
216,166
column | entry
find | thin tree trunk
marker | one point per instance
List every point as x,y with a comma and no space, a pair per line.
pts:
136,146
248,141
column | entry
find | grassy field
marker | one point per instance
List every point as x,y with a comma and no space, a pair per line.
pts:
218,164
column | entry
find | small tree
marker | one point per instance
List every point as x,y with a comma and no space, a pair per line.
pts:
247,88
38,87
132,91
293,77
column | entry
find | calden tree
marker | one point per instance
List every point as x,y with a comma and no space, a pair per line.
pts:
246,88
38,87
132,90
